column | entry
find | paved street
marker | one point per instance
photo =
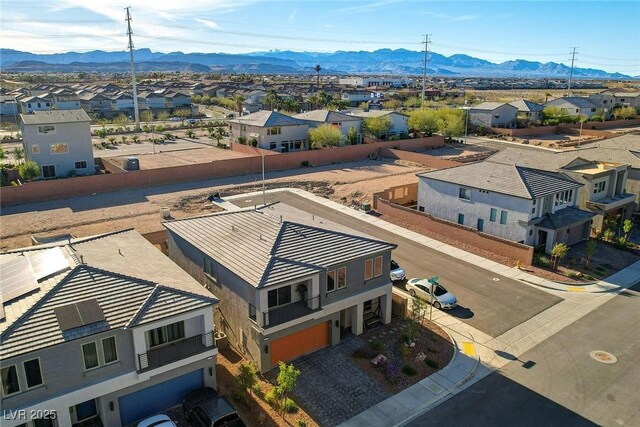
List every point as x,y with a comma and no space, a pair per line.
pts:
565,387
492,306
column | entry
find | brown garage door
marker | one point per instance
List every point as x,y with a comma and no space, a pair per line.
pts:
298,343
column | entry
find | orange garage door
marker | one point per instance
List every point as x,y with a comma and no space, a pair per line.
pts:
299,343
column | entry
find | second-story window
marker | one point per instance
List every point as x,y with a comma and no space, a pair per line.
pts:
279,296
331,280
32,373
503,217
9,377
274,131
109,350
166,334
45,129
464,194
59,148
210,270
563,197
599,187
90,355
377,267
368,269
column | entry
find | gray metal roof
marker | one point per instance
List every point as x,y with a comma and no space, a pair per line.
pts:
326,116
55,116
264,251
267,118
125,300
505,179
524,105
564,218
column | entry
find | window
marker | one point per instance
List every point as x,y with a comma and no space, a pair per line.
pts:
533,210
279,296
45,129
331,280
90,355
49,171
503,217
494,215
274,131
32,372
243,128
166,334
420,208
273,145
59,148
35,149
563,197
9,376
368,269
81,164
109,350
464,194
377,267
460,218
342,277
210,270
599,187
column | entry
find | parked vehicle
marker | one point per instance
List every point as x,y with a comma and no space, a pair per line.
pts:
397,273
175,119
204,407
192,121
157,421
423,288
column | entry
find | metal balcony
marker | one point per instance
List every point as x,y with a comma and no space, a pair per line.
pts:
176,350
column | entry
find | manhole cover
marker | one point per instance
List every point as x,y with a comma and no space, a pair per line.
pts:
603,356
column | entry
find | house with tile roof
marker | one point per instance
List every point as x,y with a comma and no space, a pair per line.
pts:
528,110
574,105
341,121
493,114
286,288
95,336
525,205
273,130
399,121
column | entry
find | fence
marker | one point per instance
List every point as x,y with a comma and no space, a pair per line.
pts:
425,159
470,236
544,130
400,194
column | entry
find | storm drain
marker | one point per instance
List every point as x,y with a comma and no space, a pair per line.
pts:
603,357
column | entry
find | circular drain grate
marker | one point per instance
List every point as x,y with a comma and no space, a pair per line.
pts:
603,356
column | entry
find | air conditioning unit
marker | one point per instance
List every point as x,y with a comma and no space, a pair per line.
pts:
131,164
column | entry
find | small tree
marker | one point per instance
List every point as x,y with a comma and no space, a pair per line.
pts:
163,115
18,154
29,170
558,252
183,113
589,251
352,135
376,126
190,134
424,121
135,139
624,113
3,155
626,230
246,378
147,116
416,316
286,381
324,136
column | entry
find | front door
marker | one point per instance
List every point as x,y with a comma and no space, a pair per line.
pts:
49,171
542,239
86,410
480,224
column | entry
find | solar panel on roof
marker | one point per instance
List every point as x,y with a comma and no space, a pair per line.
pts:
46,263
78,314
17,278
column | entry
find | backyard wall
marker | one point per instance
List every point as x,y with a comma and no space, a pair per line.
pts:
400,194
542,130
71,187
425,159
470,236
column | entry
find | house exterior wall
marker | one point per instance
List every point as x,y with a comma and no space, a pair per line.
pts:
8,109
67,105
399,123
503,116
122,104
35,105
288,134
571,109
76,135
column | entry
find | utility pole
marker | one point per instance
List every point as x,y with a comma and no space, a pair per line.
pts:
136,112
424,66
573,58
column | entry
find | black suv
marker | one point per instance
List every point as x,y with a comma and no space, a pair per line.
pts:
204,407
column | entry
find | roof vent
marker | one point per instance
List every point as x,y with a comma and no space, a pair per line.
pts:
280,219
233,227
260,236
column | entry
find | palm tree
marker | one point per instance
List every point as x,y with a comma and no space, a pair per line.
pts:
318,68
273,99
238,99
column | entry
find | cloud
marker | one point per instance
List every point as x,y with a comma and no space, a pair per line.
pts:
370,7
465,18
208,23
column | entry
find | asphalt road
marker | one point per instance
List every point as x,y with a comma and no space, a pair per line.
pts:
565,387
490,305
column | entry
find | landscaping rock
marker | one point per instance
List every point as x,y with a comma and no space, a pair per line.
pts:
380,359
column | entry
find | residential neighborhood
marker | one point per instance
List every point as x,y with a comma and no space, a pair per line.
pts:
207,220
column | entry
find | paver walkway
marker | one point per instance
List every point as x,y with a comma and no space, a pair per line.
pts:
332,386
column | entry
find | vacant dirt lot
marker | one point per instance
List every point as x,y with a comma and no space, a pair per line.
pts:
140,209
165,159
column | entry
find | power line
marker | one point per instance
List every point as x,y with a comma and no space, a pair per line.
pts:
424,65
133,71
573,58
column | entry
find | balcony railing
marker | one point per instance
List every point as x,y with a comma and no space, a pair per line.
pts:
278,315
610,203
176,350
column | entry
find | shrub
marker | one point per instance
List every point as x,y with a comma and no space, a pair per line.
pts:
409,370
29,170
242,140
542,261
301,423
377,345
574,275
432,363
305,164
253,142
404,350
289,406
257,390
271,397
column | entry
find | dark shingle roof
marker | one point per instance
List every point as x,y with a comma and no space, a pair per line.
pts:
564,218
264,251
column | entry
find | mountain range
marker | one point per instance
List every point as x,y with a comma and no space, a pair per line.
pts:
382,61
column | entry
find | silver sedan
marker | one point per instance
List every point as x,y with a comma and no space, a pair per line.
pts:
423,288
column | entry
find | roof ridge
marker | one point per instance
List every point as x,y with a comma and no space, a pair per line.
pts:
143,306
341,233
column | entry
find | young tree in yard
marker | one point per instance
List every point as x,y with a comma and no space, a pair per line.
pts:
273,99
558,252
424,121
146,116
624,113
246,378
163,115
416,316
352,135
590,251
217,133
286,381
627,225
190,134
183,113
18,155
3,155
29,170
552,116
376,126
324,136
238,100
135,139
325,99
450,121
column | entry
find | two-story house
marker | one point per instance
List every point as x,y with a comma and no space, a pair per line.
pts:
342,122
272,130
29,104
575,105
529,206
601,171
399,121
103,330
122,102
528,110
286,288
493,114
59,142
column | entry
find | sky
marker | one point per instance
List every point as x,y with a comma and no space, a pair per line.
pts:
605,33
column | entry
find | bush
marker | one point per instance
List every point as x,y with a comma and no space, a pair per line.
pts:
253,142
301,423
409,370
377,345
305,164
257,390
29,170
542,261
271,397
574,275
290,406
404,350
432,363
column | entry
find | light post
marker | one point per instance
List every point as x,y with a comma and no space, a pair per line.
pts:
466,120
264,192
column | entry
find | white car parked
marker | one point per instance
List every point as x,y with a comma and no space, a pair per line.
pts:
422,288
157,421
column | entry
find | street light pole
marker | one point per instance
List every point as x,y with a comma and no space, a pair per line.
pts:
264,192
466,121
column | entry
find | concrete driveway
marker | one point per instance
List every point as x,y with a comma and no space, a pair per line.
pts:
331,387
